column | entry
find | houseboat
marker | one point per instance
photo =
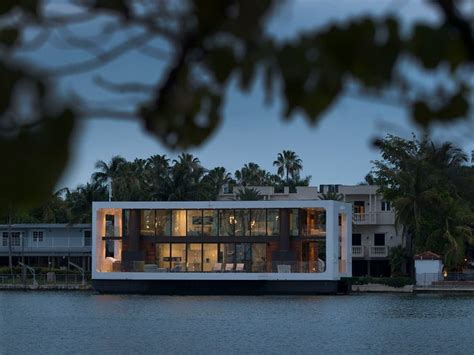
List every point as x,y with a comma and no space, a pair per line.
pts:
221,247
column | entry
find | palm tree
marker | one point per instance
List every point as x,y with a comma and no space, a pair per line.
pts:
334,196
109,171
186,176
248,194
252,175
80,201
215,179
288,164
157,177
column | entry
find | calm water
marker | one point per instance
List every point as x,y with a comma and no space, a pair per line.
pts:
60,323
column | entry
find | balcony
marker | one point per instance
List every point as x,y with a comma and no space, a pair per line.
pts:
358,251
378,252
374,218
364,218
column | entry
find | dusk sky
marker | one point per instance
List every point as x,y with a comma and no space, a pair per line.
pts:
337,150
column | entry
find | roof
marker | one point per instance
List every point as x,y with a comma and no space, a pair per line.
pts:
427,255
219,204
46,226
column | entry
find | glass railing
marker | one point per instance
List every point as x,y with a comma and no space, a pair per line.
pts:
318,266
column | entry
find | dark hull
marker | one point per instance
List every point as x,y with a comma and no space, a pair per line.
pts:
216,287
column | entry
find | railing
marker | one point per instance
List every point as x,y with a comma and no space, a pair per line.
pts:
44,279
316,266
452,280
378,252
364,218
358,251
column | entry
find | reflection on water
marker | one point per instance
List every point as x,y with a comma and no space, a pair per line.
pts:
89,323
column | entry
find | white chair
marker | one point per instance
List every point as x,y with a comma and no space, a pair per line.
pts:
285,269
239,267
217,267
229,267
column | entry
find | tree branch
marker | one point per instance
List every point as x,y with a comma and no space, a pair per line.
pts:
123,88
455,19
101,58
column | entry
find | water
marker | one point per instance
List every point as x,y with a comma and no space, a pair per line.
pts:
75,322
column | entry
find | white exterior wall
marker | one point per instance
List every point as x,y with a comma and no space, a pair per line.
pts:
100,267
428,271
56,237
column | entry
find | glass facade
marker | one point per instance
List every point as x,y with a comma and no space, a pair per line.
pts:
313,222
258,223
303,222
221,240
210,222
273,222
178,223
194,223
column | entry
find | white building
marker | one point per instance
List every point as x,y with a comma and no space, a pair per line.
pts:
221,247
373,228
47,245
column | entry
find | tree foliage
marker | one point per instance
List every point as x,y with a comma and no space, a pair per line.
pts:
202,45
429,186
157,178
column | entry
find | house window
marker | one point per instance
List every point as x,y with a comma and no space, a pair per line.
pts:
385,206
16,239
87,238
359,206
356,239
379,239
38,236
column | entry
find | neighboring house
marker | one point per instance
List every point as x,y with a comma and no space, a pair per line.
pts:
373,231
373,227
47,245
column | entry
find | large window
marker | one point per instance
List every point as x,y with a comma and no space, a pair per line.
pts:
194,257
294,217
258,223
227,253
179,223
163,222
209,257
163,256
15,238
178,257
259,257
147,222
273,222
226,222
210,219
313,222
242,223
194,222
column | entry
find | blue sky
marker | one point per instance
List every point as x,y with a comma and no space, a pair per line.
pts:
336,150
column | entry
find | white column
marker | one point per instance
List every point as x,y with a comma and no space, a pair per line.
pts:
332,236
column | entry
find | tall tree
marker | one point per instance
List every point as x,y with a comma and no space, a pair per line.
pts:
252,175
420,178
288,164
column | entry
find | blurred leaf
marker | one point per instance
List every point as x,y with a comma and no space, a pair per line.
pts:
34,160
221,62
184,114
8,36
433,46
9,78
7,5
455,108
121,7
